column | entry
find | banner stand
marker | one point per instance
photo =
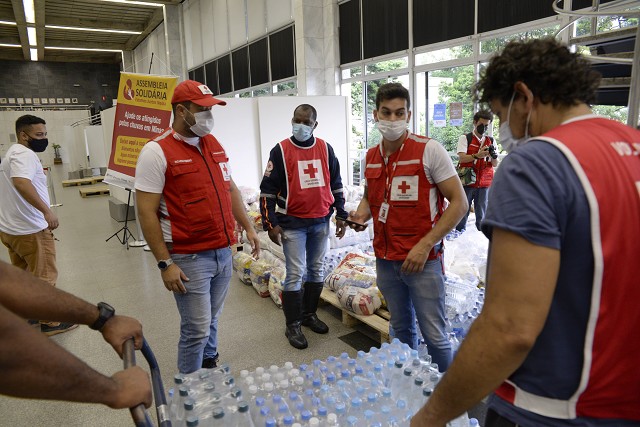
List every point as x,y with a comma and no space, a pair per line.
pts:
138,243
126,233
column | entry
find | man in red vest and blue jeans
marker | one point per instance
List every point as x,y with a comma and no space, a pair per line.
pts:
478,151
300,189
187,202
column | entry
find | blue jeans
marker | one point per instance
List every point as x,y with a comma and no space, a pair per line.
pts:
418,295
304,249
480,198
209,273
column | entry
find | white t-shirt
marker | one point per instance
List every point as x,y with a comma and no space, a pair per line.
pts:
17,216
438,167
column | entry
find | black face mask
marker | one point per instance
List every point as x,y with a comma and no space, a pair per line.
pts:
481,129
38,145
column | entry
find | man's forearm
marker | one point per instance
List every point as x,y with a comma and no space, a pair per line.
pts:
238,209
30,194
29,297
364,210
449,219
466,158
487,356
152,232
25,372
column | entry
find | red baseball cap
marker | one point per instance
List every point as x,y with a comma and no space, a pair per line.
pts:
198,93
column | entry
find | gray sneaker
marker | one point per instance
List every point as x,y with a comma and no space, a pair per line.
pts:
50,330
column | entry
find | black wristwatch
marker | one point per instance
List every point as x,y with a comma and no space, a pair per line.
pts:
163,264
106,313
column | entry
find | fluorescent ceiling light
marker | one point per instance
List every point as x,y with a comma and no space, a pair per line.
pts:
99,30
7,23
29,11
9,45
137,3
82,49
34,54
31,35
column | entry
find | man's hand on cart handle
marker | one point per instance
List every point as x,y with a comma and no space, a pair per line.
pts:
132,387
119,329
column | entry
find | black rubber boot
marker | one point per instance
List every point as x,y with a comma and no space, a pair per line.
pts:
312,291
292,307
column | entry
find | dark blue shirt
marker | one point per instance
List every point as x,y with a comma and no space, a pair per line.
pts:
537,195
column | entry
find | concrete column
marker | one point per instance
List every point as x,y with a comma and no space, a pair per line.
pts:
317,59
174,40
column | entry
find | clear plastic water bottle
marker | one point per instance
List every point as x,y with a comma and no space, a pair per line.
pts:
461,421
218,417
183,395
288,421
473,422
243,416
332,420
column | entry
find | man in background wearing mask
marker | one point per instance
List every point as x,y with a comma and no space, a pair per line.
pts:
408,178
26,219
478,151
299,191
187,203
556,341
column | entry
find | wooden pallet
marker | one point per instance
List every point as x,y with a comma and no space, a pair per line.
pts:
82,181
96,190
379,321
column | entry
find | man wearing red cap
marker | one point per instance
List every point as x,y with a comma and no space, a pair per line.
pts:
187,203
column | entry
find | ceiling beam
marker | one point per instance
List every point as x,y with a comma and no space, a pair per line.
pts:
18,12
155,20
10,40
93,23
86,45
40,20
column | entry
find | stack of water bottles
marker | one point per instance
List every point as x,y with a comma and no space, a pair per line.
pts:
459,319
384,387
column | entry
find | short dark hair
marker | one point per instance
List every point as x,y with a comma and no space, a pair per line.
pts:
27,120
307,107
483,114
392,91
546,66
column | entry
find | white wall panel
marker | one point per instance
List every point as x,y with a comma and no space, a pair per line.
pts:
257,19
279,13
237,129
206,26
275,124
237,24
220,27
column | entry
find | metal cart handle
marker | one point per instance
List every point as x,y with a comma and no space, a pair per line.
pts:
139,413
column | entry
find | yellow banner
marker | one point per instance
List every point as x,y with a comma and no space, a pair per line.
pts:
142,90
127,150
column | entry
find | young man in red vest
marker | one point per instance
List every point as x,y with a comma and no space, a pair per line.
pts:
299,191
556,341
187,203
478,151
408,177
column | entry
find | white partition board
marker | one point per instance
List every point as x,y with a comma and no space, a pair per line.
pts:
236,127
95,144
275,124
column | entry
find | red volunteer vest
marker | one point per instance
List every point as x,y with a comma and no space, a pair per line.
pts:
482,168
415,205
308,179
606,157
197,193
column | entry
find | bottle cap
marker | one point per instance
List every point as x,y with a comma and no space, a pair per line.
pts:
178,378
184,391
188,404
284,384
218,413
244,373
243,407
192,421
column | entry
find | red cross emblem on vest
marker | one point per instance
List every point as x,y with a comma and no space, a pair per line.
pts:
310,170
404,187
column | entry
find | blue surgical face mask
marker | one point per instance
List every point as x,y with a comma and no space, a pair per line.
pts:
508,141
301,132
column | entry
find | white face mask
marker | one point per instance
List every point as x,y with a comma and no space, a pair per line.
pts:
392,130
509,143
204,123
301,132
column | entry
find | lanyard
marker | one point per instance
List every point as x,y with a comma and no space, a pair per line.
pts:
389,180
